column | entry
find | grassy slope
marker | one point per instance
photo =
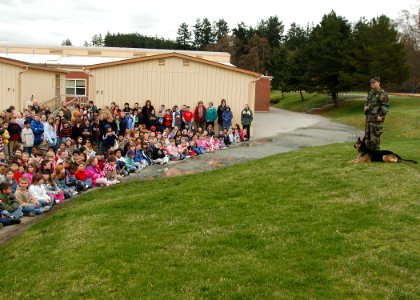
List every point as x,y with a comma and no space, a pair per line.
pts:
305,224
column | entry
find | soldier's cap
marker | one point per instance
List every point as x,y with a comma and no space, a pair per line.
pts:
375,79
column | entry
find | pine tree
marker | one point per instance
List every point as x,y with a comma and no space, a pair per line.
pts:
220,29
183,39
328,51
272,29
66,42
377,51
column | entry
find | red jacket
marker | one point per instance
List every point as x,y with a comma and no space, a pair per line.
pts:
197,115
80,175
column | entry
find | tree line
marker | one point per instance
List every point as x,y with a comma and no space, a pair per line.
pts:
332,56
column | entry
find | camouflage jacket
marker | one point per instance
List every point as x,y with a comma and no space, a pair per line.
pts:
8,202
377,102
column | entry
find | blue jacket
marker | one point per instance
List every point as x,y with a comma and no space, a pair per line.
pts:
38,130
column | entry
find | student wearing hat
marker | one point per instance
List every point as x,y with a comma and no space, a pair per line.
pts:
376,108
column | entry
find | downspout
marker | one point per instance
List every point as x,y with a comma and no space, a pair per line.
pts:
251,99
20,86
89,85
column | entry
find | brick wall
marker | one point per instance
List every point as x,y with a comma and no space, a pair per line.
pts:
262,94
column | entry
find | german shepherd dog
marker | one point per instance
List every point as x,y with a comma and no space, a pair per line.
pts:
364,154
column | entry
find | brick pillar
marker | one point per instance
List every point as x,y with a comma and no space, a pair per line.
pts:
262,94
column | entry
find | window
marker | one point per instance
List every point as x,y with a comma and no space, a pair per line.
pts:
76,87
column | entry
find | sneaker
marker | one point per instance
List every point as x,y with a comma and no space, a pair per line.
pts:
87,186
45,208
31,214
75,193
57,201
21,214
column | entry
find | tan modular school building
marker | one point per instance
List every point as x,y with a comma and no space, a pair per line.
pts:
106,74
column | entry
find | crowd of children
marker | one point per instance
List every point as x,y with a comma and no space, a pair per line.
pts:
47,157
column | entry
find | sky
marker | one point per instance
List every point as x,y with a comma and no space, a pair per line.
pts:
49,22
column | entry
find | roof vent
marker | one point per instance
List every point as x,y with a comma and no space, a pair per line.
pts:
161,62
56,51
185,62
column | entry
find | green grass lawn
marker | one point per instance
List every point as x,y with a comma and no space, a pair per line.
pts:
304,224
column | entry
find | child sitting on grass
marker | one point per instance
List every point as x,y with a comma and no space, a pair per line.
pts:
110,170
38,191
60,181
30,206
52,189
93,172
71,179
9,206
81,175
11,179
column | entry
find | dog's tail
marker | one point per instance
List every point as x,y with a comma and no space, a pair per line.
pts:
407,161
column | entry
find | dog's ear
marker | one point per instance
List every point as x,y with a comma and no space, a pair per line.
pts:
363,140
358,139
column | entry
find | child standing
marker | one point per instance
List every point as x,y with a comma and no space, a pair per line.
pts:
227,117
28,137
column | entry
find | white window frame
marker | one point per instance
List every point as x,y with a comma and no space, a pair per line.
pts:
75,87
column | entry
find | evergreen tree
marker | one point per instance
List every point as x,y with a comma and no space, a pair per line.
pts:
203,33
296,37
328,51
66,42
279,68
272,29
377,51
198,34
220,29
97,40
183,39
243,32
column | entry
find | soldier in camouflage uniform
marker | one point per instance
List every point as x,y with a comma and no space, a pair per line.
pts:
376,108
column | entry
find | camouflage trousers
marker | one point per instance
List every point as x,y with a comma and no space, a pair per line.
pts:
373,131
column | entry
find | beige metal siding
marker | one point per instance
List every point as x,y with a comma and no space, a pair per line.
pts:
9,85
41,84
172,83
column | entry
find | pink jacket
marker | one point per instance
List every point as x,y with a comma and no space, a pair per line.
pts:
172,150
94,173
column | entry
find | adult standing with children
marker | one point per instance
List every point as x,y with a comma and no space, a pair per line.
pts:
200,115
246,118
376,108
220,110
211,115
146,111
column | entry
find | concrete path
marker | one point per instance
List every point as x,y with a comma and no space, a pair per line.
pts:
276,131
